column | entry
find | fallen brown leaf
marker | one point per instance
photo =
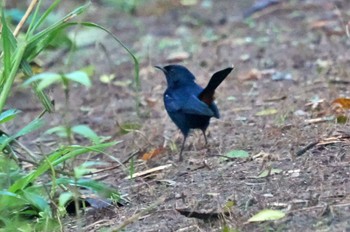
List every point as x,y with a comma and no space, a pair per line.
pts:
152,153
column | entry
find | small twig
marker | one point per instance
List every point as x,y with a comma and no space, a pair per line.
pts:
308,147
130,156
29,152
149,171
25,17
138,215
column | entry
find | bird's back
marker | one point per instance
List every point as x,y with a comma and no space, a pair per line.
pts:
186,110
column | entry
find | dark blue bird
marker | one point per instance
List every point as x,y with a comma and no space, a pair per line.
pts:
189,105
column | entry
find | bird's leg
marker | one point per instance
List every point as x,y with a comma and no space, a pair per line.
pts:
182,148
205,137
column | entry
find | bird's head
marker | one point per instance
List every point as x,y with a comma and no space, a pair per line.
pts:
177,75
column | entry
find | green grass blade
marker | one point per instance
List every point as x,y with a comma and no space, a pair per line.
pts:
79,77
7,44
32,126
5,91
86,132
39,41
30,30
44,99
136,62
37,23
96,186
8,115
54,159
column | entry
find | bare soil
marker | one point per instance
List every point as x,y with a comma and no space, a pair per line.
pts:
303,39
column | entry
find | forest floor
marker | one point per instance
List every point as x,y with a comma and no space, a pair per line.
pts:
291,62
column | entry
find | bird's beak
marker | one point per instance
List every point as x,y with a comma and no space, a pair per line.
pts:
161,68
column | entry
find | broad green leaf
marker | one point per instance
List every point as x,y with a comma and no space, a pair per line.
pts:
42,76
86,168
36,200
265,173
58,130
267,215
8,115
237,154
79,77
86,132
64,198
48,81
267,112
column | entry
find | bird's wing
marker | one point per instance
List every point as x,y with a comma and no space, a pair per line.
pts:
191,105
171,104
195,106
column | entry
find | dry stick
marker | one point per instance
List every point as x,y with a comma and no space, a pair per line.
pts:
29,152
25,17
138,215
308,147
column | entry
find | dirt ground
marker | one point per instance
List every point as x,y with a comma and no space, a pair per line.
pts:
301,42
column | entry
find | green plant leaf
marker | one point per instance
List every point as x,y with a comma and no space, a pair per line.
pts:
45,80
227,228
8,115
237,154
86,132
58,130
267,215
99,187
79,77
56,158
129,127
36,200
89,70
267,112
48,80
30,127
39,41
64,198
6,45
86,168
10,194
266,173
34,25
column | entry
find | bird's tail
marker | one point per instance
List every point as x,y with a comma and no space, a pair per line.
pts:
207,95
